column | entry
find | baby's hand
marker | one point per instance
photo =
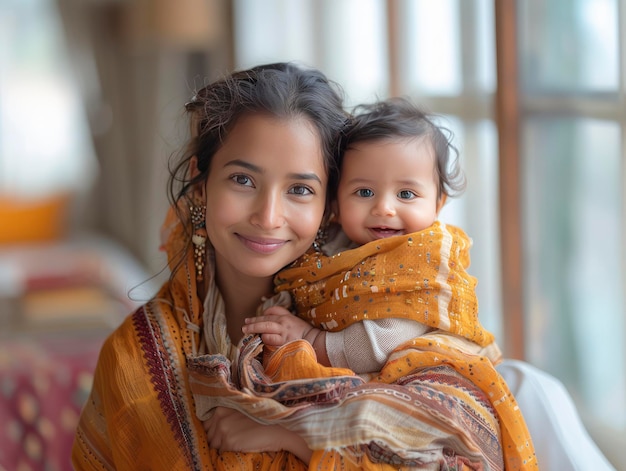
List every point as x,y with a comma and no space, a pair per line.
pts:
277,326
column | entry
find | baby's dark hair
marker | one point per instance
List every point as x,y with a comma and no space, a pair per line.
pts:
400,118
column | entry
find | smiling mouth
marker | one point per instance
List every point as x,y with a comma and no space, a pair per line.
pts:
384,232
261,245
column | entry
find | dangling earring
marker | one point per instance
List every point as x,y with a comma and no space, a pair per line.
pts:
199,237
322,232
320,238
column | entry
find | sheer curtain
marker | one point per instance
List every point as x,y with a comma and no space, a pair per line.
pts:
345,39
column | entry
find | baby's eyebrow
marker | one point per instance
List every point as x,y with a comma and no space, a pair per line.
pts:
359,181
413,183
368,181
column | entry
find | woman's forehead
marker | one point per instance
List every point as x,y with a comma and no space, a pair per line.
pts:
264,142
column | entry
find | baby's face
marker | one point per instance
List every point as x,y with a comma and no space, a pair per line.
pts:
387,188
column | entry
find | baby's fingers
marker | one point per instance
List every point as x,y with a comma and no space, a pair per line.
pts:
260,325
277,311
272,333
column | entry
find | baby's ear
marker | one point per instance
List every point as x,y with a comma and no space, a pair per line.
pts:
334,212
441,202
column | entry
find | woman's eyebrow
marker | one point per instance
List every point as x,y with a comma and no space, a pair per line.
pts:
244,164
257,169
305,176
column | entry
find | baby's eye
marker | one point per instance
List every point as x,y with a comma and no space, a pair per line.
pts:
365,193
242,180
301,190
406,195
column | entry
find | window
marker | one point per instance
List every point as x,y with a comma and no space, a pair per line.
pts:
573,198
44,144
571,148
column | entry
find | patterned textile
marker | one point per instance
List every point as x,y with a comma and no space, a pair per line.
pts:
438,403
430,417
140,413
44,381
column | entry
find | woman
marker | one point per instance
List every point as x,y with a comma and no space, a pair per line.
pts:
249,195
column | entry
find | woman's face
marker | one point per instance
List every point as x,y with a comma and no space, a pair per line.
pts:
265,195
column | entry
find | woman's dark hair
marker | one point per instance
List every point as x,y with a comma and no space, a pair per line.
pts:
281,90
399,118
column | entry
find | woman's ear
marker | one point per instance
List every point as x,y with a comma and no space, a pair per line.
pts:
441,202
198,190
193,167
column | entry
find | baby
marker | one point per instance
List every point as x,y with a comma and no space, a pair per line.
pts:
397,169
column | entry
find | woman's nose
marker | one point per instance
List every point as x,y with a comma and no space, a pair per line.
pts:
269,212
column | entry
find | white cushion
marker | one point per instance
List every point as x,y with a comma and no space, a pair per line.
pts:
560,438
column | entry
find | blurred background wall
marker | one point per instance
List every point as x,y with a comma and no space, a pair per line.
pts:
91,100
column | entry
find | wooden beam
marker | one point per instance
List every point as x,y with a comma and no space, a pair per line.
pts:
393,45
508,123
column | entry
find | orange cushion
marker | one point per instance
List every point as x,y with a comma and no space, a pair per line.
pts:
32,219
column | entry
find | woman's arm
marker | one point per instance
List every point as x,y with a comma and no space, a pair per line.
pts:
230,430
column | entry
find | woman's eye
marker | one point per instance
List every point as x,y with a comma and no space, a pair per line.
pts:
301,190
365,193
406,195
241,180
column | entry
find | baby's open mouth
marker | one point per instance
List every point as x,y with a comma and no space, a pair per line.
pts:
383,232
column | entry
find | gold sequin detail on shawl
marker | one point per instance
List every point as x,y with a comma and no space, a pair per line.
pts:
420,276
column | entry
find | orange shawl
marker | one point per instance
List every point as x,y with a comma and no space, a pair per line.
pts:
420,276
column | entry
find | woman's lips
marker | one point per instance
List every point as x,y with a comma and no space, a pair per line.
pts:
261,245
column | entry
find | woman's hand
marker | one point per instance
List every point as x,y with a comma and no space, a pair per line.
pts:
230,430
277,326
